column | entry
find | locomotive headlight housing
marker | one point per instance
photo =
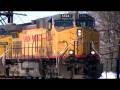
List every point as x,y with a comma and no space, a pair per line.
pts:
92,52
79,32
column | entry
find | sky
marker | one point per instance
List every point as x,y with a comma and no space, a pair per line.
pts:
32,15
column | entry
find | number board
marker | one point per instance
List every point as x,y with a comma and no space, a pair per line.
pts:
66,16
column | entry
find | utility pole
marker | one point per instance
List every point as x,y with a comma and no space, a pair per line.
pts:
9,15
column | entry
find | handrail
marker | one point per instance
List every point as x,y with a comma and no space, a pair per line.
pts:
93,47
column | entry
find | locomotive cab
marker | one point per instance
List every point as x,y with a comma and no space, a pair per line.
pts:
80,41
77,34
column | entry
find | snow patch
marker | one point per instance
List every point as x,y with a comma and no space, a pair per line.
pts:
108,75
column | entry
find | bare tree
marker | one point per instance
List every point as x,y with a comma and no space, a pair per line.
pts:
108,24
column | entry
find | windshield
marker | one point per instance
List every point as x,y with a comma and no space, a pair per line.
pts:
85,20
85,23
63,23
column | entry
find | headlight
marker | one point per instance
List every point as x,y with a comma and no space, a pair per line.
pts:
71,52
79,32
92,52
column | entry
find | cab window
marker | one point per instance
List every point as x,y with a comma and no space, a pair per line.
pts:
85,23
63,24
85,20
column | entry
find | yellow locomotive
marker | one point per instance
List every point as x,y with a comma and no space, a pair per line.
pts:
57,38
61,37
